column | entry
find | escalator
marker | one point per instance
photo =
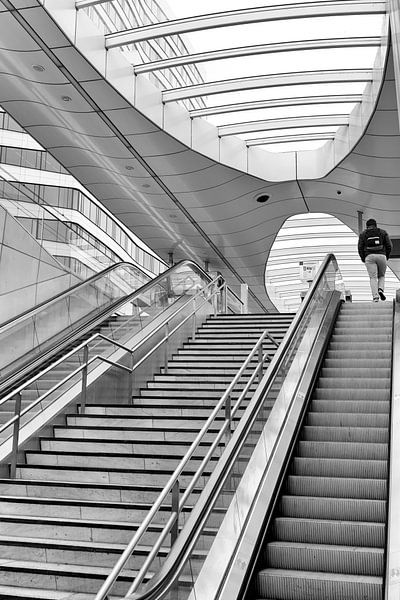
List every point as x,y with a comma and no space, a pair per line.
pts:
288,500
304,488
80,470
327,534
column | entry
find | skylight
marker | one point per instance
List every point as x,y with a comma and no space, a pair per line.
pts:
234,62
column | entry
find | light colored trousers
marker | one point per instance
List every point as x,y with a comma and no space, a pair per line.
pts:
376,267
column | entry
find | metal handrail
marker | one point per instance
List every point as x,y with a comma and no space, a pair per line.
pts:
180,551
101,315
16,393
225,401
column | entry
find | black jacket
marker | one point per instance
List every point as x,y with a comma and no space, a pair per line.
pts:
363,251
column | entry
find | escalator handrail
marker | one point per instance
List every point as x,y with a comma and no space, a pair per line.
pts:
120,303
91,322
80,284
212,285
176,559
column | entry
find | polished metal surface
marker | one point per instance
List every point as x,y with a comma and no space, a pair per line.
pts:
223,430
318,44
392,583
256,493
295,344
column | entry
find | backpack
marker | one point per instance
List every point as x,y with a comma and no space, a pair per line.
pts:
374,241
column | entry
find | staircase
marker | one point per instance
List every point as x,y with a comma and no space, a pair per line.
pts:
327,536
80,496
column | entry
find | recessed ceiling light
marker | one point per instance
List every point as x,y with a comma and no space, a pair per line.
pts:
66,98
262,198
38,68
146,185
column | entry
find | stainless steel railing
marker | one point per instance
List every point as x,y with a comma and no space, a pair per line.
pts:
209,292
173,485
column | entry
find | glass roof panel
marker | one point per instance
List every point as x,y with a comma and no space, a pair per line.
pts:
296,91
277,113
288,62
278,31
183,71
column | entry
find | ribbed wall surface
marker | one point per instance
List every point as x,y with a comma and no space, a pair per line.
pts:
82,494
327,537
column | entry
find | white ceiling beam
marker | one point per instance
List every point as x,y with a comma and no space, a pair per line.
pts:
178,61
276,103
285,123
277,12
86,3
262,81
282,139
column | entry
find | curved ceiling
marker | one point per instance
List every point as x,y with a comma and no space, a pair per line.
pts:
80,106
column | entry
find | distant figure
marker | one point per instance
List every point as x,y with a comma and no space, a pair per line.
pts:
374,248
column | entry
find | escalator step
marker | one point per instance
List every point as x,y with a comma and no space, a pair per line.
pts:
326,531
325,467
322,558
298,585
336,486
350,405
329,449
371,435
333,508
336,393
338,419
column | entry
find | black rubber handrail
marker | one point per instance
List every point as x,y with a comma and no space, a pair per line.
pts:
162,582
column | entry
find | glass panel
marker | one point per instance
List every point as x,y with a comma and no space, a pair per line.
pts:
32,334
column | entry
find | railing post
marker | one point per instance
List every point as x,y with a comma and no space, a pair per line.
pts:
214,302
224,293
84,378
194,320
14,455
175,508
260,363
166,348
130,380
228,417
